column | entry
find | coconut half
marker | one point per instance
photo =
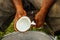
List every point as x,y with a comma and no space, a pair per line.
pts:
23,24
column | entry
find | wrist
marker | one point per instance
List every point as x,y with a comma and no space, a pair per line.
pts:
19,9
43,10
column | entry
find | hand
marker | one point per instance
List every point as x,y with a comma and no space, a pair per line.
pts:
39,19
19,14
40,16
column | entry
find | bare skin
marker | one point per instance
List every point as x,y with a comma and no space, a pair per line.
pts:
39,17
19,11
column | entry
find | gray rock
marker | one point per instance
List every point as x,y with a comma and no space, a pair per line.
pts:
30,35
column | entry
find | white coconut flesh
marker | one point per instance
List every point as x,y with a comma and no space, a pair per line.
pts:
23,24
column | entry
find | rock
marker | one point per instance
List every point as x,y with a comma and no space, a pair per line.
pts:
30,35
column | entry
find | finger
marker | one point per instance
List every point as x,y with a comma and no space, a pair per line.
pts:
15,20
37,23
25,13
36,20
40,24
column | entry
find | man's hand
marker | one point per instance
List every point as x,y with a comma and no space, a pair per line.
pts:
39,19
19,11
40,16
19,14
